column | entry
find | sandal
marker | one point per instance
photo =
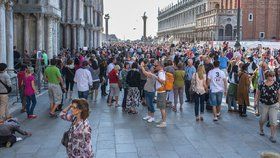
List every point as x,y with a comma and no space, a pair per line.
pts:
261,133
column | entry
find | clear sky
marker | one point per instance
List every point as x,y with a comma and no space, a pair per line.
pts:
125,15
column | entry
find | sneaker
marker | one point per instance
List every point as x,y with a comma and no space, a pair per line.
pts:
19,139
272,139
146,118
219,115
151,119
8,144
215,119
33,116
162,125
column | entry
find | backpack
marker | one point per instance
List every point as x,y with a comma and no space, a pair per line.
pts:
168,84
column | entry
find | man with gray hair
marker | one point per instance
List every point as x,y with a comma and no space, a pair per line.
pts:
189,71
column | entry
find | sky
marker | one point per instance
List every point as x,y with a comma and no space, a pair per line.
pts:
125,15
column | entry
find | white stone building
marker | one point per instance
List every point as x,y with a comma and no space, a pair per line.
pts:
195,20
49,25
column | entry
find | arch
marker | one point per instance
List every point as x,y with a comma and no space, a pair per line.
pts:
228,30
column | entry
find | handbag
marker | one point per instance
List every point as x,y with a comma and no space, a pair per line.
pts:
9,89
65,137
193,87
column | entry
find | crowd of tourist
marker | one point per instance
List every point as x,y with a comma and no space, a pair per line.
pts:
144,74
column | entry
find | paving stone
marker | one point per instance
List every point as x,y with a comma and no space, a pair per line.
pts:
127,155
105,144
167,154
106,153
125,148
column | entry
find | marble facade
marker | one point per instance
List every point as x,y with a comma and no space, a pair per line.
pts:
49,25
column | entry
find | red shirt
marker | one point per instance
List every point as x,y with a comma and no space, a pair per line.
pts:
20,76
113,77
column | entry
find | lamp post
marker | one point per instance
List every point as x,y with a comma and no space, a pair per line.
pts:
106,17
237,44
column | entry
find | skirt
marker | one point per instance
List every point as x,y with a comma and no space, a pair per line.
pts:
133,97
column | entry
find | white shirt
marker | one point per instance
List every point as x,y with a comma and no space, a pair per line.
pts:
83,79
110,67
161,75
216,77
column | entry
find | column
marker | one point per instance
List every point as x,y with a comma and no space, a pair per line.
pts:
2,33
55,36
74,10
49,37
64,36
40,2
63,11
79,45
9,34
26,32
39,31
74,37
86,38
88,14
91,39
69,10
94,38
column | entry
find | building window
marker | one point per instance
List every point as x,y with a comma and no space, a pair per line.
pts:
262,35
250,17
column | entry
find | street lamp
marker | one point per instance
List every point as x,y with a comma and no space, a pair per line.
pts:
237,43
106,17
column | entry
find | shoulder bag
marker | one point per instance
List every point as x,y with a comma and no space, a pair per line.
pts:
9,89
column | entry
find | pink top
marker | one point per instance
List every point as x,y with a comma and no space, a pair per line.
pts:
28,90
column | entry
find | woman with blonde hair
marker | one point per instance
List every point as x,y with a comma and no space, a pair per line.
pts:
199,88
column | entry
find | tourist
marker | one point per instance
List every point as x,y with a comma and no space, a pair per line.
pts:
232,88
268,95
53,77
30,92
223,62
20,77
69,73
5,89
218,85
161,92
149,90
179,85
189,70
123,76
95,78
79,133
200,88
243,91
83,79
133,80
169,72
113,77
7,132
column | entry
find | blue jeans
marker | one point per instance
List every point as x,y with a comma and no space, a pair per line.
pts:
149,97
216,98
199,101
83,94
29,99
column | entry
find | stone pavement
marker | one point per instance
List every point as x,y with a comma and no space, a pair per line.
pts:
119,135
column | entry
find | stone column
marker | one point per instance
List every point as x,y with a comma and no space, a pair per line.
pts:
74,37
26,32
40,2
49,37
88,14
79,45
91,38
94,38
9,34
86,38
63,11
39,31
2,33
55,37
69,10
74,10
64,36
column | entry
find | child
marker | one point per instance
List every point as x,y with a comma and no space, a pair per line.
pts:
29,92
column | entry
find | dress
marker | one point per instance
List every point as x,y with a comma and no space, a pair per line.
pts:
79,145
133,94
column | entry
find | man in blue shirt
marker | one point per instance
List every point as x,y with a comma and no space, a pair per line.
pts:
189,71
223,62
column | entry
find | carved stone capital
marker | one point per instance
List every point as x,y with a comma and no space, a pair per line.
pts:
3,2
9,4
38,16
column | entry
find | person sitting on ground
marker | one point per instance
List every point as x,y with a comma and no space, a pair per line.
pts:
7,132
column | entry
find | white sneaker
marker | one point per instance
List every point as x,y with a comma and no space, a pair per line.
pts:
152,119
19,139
162,125
146,118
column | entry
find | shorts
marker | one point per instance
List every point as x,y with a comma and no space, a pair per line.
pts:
161,100
55,93
216,98
114,90
95,85
269,111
